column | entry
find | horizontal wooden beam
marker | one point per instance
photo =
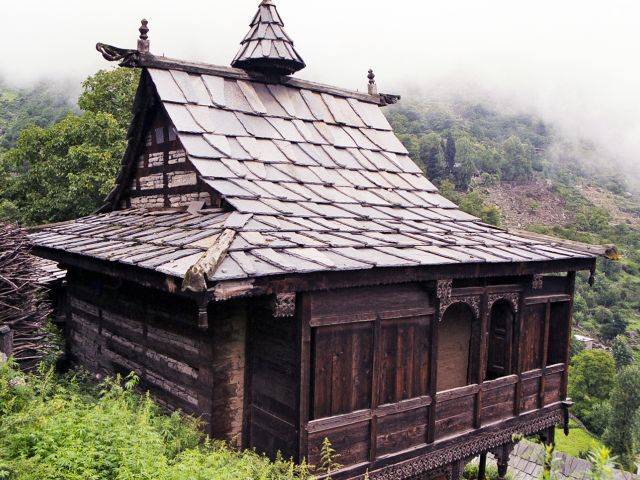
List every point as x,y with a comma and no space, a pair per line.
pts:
386,276
609,251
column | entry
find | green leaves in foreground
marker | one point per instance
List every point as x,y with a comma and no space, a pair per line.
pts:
61,429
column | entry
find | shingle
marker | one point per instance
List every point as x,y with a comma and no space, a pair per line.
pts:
182,119
192,87
197,146
252,206
166,86
215,86
308,132
224,122
220,143
370,114
287,129
259,127
229,188
299,105
212,168
282,96
252,97
341,137
318,108
272,106
234,97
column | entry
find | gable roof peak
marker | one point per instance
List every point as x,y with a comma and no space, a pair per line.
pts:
267,48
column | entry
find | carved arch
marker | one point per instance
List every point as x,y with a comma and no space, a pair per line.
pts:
473,302
512,297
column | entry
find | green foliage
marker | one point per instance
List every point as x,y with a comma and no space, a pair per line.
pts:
65,171
620,435
591,378
491,473
63,429
472,203
41,105
601,464
576,347
622,352
328,457
112,92
578,443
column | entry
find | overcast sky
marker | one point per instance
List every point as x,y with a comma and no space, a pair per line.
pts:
575,62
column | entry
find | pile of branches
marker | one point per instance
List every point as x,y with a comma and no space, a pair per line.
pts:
23,305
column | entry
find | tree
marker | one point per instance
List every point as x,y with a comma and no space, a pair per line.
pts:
518,166
625,401
591,378
450,152
65,171
432,155
622,352
612,325
111,91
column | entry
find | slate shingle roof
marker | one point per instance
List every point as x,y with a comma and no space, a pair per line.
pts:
317,181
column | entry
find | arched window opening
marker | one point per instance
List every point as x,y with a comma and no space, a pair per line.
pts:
454,345
500,352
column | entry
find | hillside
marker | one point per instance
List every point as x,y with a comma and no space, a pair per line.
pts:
516,171
42,105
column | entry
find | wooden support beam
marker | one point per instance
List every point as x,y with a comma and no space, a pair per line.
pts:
6,341
609,251
482,466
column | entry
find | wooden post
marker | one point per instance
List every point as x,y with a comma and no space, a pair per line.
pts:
305,375
502,459
482,466
6,340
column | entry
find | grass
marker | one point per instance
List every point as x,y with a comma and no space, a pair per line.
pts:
578,442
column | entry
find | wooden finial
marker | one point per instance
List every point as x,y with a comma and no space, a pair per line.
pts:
143,41
373,88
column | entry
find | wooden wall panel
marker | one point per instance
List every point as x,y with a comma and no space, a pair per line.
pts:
404,368
273,383
351,441
401,431
531,339
498,399
560,323
455,415
530,393
553,387
342,364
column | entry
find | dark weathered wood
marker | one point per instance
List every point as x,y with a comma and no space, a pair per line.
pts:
6,340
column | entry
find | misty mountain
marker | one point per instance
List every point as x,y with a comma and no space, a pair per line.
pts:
41,105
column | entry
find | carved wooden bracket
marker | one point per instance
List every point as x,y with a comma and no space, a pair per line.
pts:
284,305
538,282
444,290
513,298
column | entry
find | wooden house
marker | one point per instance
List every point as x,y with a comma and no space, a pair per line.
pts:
272,261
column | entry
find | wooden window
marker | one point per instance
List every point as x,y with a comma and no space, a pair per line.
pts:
404,368
500,340
342,363
532,338
454,339
558,333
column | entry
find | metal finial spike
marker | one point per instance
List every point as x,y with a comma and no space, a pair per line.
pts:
143,41
373,89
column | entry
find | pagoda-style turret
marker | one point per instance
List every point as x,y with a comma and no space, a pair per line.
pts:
267,48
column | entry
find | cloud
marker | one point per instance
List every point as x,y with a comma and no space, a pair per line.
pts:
575,63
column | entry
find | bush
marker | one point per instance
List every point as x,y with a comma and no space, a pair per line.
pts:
65,429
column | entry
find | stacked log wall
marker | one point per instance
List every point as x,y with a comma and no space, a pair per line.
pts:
114,327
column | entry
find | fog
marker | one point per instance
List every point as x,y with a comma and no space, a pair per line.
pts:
573,62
